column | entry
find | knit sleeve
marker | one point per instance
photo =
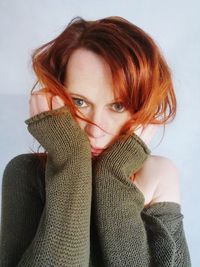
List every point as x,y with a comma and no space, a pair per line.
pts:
164,221
62,236
128,235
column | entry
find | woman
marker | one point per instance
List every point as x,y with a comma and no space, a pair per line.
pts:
96,196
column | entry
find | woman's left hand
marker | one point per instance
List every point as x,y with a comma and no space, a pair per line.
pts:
43,100
147,133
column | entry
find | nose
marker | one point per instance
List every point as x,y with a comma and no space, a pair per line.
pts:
92,130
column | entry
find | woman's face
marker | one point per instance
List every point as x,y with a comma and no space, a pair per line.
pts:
89,83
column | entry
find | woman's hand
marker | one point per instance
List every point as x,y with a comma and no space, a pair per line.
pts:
54,127
43,101
147,133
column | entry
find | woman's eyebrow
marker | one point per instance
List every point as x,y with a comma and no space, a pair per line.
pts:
89,101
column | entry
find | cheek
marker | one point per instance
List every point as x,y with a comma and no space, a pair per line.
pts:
81,123
110,122
116,123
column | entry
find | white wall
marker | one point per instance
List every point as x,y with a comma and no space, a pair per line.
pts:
174,25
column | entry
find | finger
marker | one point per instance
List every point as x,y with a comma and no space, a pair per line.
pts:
38,104
31,110
139,130
148,132
49,97
151,129
45,92
57,102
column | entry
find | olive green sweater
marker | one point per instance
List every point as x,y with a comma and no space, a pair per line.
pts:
75,211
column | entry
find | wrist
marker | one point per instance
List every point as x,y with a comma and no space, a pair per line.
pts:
58,132
123,157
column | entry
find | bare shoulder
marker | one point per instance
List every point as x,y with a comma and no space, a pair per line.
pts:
159,180
168,186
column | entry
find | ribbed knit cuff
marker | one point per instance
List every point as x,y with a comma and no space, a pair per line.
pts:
44,114
59,133
163,208
123,158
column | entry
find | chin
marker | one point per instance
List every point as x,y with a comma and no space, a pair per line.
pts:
96,154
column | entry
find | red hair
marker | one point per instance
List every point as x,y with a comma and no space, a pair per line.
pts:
141,76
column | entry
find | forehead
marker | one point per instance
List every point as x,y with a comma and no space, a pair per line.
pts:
88,73
86,66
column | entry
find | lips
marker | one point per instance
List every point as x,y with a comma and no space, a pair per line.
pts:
96,150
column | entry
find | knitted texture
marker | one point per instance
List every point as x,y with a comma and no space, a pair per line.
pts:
63,233
23,200
75,212
124,233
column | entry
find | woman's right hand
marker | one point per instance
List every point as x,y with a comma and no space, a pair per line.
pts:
43,100
53,126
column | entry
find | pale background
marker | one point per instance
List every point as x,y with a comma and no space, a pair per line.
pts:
175,26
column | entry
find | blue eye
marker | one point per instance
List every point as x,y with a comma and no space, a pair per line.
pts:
78,102
120,107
